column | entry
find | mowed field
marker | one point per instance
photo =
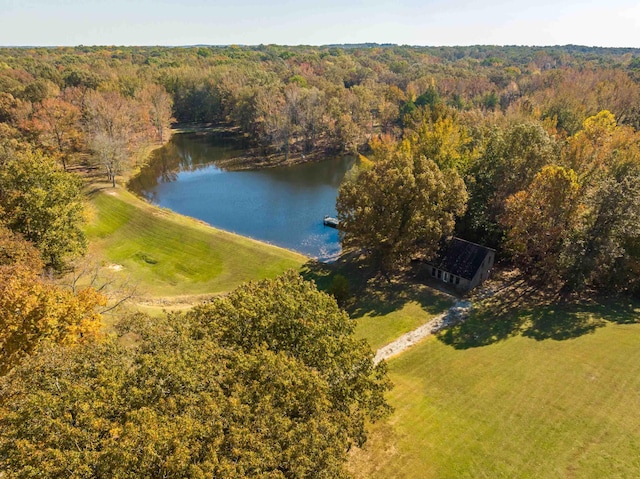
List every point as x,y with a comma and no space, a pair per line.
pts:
167,254
565,404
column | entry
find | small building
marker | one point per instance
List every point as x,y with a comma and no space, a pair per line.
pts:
462,264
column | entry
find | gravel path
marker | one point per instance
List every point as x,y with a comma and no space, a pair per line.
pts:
456,313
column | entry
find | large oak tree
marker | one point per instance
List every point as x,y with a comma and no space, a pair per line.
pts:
268,382
400,208
43,203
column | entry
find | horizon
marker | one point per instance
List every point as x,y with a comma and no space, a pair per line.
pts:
324,45
53,23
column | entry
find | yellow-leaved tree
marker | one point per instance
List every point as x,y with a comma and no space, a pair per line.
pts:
34,310
540,220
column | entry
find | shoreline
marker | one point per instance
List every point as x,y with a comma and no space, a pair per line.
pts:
172,256
229,166
255,159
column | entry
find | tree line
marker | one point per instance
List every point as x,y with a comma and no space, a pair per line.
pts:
101,103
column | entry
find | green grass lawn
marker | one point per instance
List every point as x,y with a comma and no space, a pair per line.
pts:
381,329
534,397
383,310
168,254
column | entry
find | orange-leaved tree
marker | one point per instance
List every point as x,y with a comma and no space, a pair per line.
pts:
539,220
33,309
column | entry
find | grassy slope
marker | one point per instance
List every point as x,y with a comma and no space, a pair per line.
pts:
528,406
169,254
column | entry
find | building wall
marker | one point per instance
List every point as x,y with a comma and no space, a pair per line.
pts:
458,282
484,271
464,285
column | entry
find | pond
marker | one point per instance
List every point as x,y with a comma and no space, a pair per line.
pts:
284,206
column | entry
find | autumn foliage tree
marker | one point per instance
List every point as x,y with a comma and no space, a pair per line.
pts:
159,106
116,127
34,310
540,220
266,382
445,141
58,125
400,208
43,203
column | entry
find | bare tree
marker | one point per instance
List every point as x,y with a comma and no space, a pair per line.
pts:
89,272
159,106
115,127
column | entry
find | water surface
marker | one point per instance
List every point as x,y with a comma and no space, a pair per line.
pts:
284,206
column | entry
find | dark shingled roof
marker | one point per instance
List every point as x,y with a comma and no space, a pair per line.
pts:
460,257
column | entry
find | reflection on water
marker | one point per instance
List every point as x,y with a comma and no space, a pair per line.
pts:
284,206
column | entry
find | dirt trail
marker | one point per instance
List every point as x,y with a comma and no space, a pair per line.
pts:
179,301
454,314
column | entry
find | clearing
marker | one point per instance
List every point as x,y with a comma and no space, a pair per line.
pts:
538,391
515,391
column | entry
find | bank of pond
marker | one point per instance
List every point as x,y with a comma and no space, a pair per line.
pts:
282,205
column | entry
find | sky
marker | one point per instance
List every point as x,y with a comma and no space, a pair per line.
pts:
615,23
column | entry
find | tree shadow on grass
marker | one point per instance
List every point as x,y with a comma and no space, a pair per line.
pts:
383,299
371,294
531,316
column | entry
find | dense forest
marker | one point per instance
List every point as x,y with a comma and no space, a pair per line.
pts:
532,151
